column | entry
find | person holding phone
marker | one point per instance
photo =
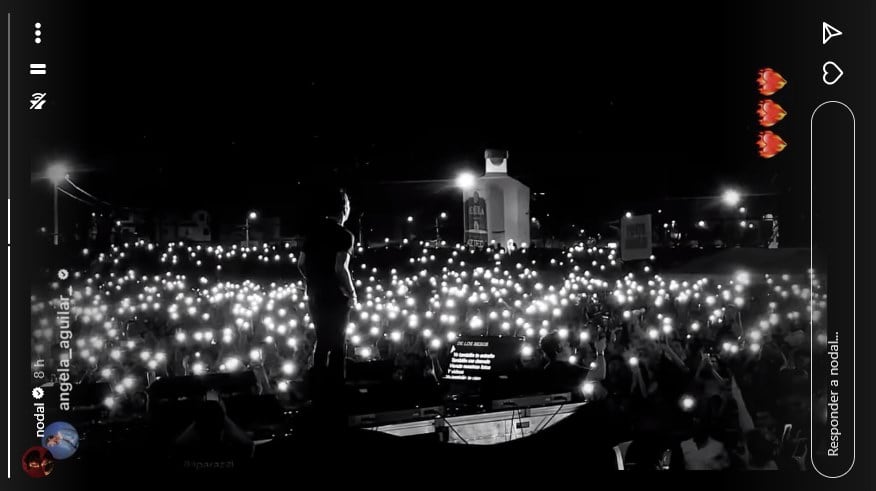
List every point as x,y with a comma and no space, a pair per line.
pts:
759,452
212,441
560,375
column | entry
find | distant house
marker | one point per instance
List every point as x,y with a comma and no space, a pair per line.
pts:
128,224
194,227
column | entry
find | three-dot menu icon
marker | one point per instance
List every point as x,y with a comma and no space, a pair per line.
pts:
38,99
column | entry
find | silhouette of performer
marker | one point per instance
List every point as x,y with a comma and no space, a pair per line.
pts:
325,265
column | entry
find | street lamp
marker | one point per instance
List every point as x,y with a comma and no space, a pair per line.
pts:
442,216
408,229
466,181
56,173
731,197
251,216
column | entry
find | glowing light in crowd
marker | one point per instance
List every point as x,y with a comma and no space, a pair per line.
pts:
687,402
235,323
587,388
233,363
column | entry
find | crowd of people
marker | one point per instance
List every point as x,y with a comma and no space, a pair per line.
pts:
711,368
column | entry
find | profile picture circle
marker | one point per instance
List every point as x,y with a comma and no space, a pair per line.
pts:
61,440
37,462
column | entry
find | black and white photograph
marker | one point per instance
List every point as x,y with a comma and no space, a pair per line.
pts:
361,242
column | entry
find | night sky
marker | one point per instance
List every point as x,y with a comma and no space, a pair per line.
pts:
248,108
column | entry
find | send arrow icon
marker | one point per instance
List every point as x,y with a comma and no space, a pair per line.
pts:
828,32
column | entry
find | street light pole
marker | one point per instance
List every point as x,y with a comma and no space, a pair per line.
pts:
249,216
442,216
56,235
246,228
437,232
56,174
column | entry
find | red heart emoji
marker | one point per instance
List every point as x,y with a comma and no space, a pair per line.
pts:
770,144
770,112
770,81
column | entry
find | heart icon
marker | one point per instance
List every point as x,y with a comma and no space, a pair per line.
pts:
831,73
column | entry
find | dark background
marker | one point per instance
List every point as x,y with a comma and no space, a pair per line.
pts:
248,108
